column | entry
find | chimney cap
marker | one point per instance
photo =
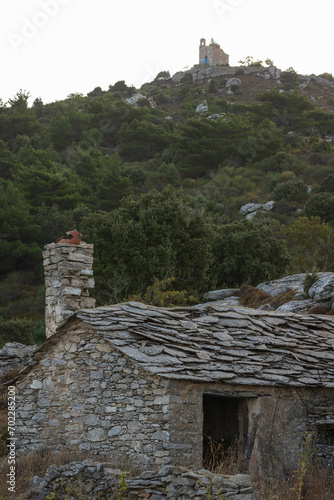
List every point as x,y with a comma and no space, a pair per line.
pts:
74,238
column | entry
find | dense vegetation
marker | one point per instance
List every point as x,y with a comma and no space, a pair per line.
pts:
158,188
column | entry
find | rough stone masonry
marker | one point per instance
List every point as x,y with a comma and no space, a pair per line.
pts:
68,277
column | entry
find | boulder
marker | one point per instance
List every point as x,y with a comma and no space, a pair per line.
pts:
268,206
323,289
220,294
202,108
252,208
233,81
289,283
296,306
134,99
293,283
230,301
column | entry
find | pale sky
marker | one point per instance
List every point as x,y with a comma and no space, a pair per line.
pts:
52,48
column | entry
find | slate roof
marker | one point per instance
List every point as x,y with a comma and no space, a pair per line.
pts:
215,343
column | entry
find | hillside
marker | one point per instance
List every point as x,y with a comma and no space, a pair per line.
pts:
156,177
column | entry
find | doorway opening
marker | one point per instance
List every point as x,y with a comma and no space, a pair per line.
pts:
225,426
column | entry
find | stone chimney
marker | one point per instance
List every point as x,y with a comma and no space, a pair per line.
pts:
68,277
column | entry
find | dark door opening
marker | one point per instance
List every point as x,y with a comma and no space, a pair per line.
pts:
224,429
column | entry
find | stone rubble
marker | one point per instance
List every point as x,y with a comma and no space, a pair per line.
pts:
15,355
97,480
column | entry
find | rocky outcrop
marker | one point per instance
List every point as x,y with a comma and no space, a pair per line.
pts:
96,480
220,294
320,294
201,71
202,108
133,100
323,289
251,209
15,355
233,81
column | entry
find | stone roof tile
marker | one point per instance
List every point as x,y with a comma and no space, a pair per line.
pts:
210,342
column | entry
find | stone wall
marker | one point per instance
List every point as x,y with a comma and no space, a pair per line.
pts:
14,355
277,420
68,277
215,55
201,71
83,393
95,480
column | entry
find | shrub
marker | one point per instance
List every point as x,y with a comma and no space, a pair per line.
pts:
310,279
161,294
16,330
187,78
327,184
321,205
294,190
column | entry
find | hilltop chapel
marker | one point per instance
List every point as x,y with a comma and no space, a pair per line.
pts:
212,54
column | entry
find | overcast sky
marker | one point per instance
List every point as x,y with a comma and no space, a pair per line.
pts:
52,48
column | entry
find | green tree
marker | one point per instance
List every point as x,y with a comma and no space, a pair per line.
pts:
18,232
321,205
9,164
141,140
213,86
18,119
294,190
205,144
60,132
290,79
247,252
41,180
311,245
112,183
119,86
96,92
289,110
266,141
163,76
158,236
327,184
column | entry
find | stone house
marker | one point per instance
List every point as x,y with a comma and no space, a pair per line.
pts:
159,384
212,55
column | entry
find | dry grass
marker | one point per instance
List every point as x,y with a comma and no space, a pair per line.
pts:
251,296
318,485
35,464
222,460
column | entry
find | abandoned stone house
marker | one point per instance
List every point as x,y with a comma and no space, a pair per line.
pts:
158,384
212,54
